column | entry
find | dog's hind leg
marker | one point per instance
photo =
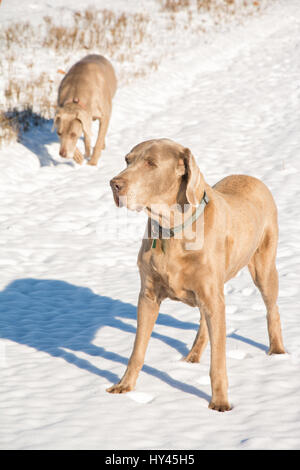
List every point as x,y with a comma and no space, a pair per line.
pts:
263,270
200,342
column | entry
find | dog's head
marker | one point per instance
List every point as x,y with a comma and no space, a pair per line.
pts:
159,172
70,122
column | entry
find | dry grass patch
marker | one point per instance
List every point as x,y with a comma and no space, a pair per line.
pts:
8,129
105,30
22,94
54,46
115,35
215,7
174,6
14,122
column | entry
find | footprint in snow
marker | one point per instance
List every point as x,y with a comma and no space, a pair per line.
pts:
237,354
247,291
140,397
204,380
230,309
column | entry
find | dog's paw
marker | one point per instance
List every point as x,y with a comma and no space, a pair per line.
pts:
119,388
192,357
276,350
78,157
219,406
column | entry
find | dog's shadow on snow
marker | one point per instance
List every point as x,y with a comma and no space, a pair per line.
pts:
62,319
38,138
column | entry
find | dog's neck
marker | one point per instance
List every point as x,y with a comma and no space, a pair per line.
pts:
182,230
77,102
174,211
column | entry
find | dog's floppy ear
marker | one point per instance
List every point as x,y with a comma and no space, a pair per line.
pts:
194,178
56,117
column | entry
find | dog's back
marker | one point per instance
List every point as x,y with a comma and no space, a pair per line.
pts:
249,212
92,74
98,64
239,188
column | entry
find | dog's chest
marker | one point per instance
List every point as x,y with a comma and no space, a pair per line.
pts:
168,272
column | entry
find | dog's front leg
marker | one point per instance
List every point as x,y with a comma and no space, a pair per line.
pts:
78,157
100,142
87,145
213,305
146,318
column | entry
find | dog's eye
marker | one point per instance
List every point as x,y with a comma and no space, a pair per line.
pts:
150,162
127,161
73,135
59,133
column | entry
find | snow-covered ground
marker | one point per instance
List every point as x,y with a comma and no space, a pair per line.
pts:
68,276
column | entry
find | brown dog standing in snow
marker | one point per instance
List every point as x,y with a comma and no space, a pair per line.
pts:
85,94
223,228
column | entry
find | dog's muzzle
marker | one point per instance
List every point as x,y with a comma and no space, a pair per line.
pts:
118,186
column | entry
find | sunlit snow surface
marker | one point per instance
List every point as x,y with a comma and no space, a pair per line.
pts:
69,281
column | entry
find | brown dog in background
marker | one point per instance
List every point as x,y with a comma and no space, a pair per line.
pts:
85,94
238,227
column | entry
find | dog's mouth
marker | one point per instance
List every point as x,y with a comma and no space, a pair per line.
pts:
121,200
123,196
117,199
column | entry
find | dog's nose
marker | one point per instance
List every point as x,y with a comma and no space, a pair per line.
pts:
63,153
117,184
